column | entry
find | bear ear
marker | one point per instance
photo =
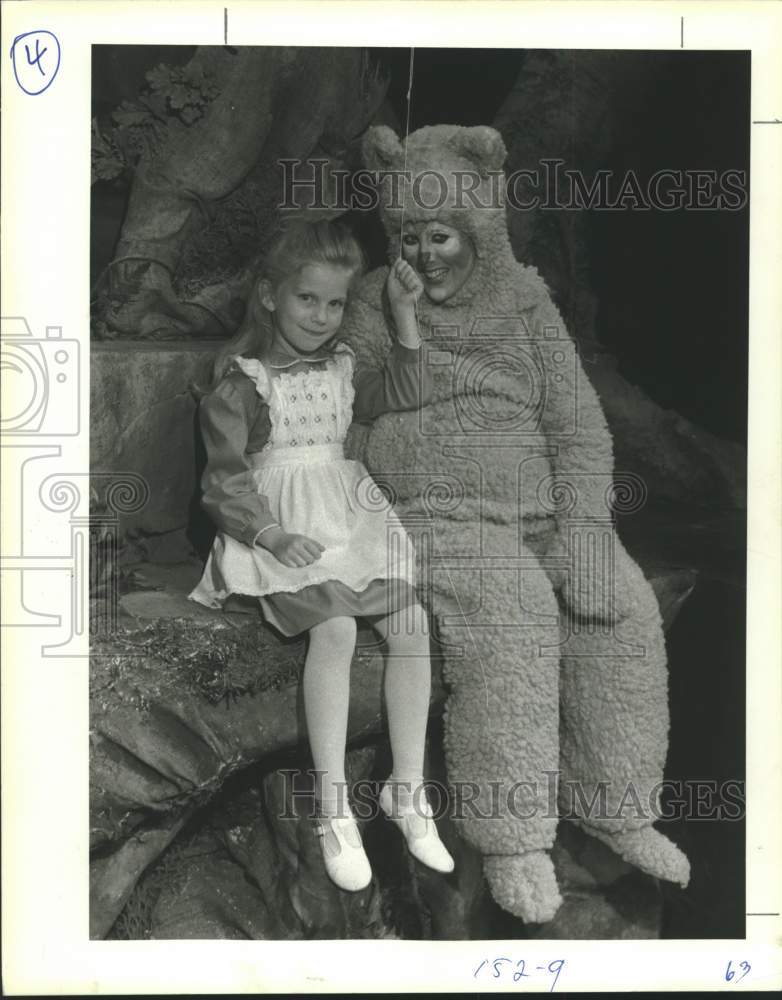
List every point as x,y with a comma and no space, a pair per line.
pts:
481,144
381,148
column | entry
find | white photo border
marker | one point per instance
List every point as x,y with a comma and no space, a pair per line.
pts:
45,269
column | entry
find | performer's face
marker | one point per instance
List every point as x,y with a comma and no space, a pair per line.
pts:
442,255
307,307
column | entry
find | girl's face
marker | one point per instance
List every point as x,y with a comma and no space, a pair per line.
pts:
307,307
442,256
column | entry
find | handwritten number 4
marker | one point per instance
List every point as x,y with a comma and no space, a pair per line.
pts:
730,973
38,56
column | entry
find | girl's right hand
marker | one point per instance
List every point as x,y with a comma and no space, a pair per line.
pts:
291,550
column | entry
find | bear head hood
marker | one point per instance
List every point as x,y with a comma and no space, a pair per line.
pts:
455,177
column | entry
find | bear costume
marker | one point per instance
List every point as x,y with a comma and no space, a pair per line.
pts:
551,637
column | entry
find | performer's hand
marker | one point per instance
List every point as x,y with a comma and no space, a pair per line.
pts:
290,549
404,285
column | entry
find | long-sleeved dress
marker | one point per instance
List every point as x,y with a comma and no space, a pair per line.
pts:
274,444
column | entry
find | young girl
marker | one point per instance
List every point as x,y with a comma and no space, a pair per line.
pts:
306,530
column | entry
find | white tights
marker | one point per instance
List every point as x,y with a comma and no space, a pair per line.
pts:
407,688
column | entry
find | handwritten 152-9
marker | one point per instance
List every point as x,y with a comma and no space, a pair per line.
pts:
518,971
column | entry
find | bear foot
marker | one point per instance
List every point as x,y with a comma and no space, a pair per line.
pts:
524,885
646,849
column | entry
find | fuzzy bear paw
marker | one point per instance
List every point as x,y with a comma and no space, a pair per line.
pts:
647,849
524,885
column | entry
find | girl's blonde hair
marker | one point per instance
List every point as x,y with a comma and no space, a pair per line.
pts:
300,243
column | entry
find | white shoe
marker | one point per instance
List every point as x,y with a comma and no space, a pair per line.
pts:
418,827
347,865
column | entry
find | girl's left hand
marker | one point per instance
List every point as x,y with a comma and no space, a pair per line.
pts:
404,285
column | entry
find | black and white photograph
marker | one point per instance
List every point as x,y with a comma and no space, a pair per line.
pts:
531,269
403,514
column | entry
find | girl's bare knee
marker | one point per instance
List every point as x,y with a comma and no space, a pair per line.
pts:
340,632
408,631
